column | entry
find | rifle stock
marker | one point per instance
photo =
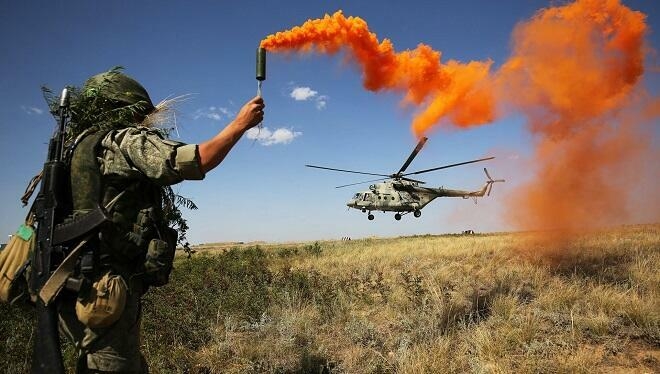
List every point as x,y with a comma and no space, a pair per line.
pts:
46,354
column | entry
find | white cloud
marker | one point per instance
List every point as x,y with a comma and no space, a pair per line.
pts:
267,137
213,113
30,110
321,102
302,93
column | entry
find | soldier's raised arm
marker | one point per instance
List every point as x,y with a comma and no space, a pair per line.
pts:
214,150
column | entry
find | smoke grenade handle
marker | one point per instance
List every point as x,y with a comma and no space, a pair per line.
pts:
261,68
261,64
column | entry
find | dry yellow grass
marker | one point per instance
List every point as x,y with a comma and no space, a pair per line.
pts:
496,303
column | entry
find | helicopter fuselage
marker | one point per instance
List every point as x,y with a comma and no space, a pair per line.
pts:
388,198
403,196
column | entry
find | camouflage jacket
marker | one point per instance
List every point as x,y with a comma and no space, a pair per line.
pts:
137,163
136,152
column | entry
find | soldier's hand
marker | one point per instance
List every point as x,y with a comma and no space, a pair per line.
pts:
214,150
252,113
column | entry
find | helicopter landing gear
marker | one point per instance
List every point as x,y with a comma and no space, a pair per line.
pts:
364,210
417,213
370,217
397,217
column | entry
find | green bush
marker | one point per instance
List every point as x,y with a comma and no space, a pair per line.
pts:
203,290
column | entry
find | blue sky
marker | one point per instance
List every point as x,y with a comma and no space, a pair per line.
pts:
317,111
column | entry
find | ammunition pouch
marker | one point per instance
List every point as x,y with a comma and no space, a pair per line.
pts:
159,259
126,242
103,303
143,228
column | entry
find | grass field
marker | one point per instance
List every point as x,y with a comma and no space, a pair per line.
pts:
496,303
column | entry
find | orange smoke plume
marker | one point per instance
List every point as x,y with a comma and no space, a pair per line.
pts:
454,91
574,73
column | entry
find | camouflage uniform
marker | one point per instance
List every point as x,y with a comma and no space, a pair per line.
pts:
125,157
137,151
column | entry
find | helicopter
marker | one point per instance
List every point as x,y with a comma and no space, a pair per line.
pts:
402,195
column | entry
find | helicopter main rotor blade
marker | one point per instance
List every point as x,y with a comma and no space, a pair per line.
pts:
414,153
448,166
353,184
346,171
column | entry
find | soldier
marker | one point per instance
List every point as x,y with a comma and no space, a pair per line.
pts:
118,162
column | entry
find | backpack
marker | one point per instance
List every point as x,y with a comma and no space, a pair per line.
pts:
14,260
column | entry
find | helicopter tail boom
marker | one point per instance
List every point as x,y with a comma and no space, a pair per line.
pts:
484,191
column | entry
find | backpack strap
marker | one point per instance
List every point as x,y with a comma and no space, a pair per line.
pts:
85,180
85,172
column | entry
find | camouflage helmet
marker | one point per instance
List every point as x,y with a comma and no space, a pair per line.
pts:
121,90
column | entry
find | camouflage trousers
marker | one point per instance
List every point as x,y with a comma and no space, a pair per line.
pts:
114,349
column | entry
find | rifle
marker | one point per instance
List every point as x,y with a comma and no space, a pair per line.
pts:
49,209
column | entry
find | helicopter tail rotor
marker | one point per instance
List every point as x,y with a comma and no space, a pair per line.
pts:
491,181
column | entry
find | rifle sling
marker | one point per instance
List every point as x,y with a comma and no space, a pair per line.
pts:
58,279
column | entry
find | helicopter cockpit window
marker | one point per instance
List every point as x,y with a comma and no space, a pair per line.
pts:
357,196
367,197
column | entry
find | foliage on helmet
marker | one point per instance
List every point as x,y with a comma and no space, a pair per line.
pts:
96,105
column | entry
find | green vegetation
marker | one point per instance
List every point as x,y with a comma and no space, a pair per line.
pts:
480,303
